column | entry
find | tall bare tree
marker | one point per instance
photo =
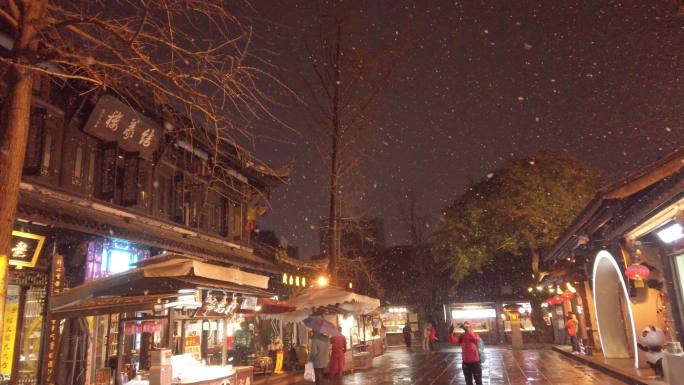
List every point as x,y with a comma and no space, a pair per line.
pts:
188,59
347,74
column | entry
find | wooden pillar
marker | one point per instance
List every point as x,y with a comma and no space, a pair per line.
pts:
119,351
169,341
224,343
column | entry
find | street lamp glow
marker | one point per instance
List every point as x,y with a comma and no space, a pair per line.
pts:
671,233
322,281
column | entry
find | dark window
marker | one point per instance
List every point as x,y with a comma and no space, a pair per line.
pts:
178,207
235,220
47,154
109,171
78,165
34,145
143,185
129,195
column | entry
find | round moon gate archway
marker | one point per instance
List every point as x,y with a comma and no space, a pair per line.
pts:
613,310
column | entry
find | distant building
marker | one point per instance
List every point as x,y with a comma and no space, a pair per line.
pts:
360,237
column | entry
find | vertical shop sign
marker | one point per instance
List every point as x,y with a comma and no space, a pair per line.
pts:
52,335
9,333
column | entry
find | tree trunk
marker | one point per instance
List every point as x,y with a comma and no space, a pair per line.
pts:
334,220
14,133
543,332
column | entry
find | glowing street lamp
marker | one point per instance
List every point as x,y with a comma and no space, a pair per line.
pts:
322,281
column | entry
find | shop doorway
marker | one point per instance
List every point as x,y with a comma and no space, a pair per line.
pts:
613,309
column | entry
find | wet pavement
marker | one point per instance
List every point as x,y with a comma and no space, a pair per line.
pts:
503,367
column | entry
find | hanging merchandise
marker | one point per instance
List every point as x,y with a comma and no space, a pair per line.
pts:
129,329
148,327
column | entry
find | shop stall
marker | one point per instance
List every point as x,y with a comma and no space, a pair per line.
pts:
394,319
195,312
348,310
482,318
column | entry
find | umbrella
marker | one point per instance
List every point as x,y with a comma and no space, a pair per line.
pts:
322,326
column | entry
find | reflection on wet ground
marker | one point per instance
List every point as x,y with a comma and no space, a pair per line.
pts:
503,367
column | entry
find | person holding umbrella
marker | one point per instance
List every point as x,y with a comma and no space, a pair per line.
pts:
319,355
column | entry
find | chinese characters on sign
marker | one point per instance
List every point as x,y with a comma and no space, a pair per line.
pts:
114,121
52,336
25,249
8,336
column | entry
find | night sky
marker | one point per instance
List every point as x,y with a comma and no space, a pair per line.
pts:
486,80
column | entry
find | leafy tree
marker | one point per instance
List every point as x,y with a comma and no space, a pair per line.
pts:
513,216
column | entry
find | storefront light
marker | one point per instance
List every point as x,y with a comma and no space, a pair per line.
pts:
291,280
297,281
285,278
570,288
539,288
559,291
303,281
671,233
529,289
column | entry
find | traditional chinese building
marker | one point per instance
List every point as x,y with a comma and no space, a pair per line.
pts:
619,266
107,184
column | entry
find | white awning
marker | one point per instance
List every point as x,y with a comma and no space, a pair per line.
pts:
351,302
157,276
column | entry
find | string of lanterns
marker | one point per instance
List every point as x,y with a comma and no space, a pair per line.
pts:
294,280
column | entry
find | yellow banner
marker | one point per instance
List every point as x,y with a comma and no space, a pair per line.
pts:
9,331
279,363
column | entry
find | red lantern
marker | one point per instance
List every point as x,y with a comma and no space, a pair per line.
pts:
138,328
129,329
637,272
148,327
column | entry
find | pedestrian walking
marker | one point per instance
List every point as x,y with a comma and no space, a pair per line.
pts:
407,335
571,329
339,347
318,355
429,337
470,353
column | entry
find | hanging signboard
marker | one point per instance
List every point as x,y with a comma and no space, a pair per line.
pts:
25,249
115,121
9,332
52,335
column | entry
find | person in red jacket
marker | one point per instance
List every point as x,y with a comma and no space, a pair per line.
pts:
571,329
470,353
339,347
429,338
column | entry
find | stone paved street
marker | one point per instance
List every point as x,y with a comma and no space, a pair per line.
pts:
503,367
